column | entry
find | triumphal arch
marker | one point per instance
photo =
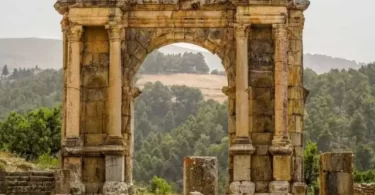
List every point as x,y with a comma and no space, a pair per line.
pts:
260,44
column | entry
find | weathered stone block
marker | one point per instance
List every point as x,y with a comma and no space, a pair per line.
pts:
200,175
261,168
94,125
295,75
262,150
299,188
93,163
279,188
336,174
264,107
261,93
242,170
242,187
114,168
262,186
87,59
261,79
298,151
115,188
261,138
282,170
337,162
263,124
296,138
298,169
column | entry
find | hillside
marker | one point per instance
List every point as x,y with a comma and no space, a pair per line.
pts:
210,85
47,53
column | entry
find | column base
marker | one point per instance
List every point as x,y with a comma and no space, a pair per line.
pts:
299,188
281,146
115,188
114,140
242,188
73,142
242,146
279,188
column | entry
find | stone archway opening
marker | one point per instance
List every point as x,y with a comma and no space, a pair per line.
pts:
182,111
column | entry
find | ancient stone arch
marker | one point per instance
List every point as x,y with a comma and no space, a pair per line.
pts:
260,44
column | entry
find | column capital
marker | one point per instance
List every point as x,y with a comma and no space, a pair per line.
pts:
65,22
75,33
115,31
242,30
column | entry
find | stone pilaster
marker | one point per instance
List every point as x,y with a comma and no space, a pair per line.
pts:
281,148
115,85
129,96
73,87
242,148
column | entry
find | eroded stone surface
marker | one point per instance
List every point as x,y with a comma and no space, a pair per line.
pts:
115,188
201,175
336,174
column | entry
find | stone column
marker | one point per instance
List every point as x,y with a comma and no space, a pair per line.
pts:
73,87
336,174
242,147
200,175
115,86
281,148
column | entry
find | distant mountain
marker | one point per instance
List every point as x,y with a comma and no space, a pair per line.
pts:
322,63
47,53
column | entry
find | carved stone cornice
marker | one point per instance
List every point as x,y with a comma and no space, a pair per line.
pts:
299,4
75,33
63,6
115,31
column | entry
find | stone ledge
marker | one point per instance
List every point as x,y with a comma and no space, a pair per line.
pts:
94,151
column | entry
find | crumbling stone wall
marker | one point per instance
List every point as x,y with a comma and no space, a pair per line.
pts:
31,183
364,189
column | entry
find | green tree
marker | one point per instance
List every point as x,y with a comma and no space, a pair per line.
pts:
5,71
311,166
160,187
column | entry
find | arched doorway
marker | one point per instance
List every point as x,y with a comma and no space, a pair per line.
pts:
178,114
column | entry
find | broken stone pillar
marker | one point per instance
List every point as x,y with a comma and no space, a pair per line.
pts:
242,147
115,85
200,175
281,148
336,174
73,86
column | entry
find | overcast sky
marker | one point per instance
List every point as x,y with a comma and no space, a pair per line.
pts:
339,28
